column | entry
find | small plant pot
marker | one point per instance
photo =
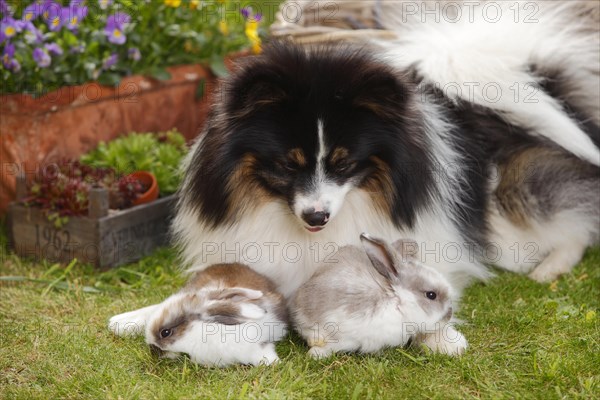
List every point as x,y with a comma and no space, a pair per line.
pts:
147,179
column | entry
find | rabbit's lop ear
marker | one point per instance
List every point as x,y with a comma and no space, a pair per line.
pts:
239,294
234,306
228,313
381,256
407,249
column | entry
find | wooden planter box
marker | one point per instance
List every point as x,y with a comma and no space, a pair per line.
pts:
70,121
105,238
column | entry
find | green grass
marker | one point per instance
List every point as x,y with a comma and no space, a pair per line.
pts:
527,340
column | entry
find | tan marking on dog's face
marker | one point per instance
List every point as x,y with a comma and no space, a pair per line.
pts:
296,156
379,186
338,155
246,192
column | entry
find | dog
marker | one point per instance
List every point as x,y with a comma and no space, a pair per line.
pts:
308,146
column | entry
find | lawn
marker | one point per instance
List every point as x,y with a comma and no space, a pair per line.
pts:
527,340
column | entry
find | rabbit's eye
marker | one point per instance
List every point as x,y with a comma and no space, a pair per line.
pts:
165,333
431,295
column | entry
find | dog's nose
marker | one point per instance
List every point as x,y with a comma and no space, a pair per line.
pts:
319,218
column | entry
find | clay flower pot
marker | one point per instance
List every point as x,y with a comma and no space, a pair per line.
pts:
147,179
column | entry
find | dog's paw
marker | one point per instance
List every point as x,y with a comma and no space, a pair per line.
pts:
560,261
544,275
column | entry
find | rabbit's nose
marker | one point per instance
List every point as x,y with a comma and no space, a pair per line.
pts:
157,351
318,218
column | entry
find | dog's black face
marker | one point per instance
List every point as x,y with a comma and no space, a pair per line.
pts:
307,128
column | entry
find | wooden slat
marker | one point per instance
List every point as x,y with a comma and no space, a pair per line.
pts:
118,238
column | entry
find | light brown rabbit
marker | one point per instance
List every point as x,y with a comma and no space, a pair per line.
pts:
225,314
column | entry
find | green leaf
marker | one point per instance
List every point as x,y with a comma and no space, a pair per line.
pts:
217,65
160,73
200,89
109,79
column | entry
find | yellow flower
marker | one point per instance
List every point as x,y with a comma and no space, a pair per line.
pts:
223,28
9,31
29,16
252,34
173,3
194,4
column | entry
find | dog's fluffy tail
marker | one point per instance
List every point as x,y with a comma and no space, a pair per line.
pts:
500,55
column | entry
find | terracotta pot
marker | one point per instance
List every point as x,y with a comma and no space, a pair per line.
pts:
148,180
70,121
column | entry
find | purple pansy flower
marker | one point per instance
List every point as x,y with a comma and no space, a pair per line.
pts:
54,15
53,48
33,11
134,54
110,61
114,27
73,15
104,4
247,14
246,11
41,57
118,18
9,27
8,58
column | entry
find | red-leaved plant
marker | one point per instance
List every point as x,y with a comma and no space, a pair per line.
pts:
62,189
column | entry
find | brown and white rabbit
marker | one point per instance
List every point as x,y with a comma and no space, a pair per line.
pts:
381,298
225,314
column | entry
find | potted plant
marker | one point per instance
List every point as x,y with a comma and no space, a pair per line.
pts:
76,72
149,185
158,153
95,209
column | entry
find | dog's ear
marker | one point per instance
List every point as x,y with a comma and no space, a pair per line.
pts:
255,91
381,93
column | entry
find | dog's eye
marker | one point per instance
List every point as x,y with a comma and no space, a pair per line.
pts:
165,333
431,295
342,167
288,166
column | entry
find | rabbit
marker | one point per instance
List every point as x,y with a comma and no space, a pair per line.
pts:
383,298
225,314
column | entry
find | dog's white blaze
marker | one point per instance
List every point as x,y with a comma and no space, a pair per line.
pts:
321,154
325,196
313,199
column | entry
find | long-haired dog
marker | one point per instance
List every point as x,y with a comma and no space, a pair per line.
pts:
477,139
